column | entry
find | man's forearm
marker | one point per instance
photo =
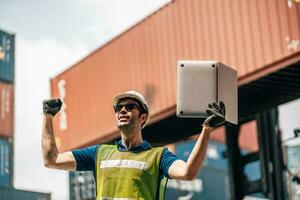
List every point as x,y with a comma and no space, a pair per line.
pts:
49,148
197,156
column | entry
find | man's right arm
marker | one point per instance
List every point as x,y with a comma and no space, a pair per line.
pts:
52,158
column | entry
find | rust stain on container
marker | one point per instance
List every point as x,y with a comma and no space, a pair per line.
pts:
6,110
254,37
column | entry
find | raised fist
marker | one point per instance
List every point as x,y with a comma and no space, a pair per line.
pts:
51,106
216,115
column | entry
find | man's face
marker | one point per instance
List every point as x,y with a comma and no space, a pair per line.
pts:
131,116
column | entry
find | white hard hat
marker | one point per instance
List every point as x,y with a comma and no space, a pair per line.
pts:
134,95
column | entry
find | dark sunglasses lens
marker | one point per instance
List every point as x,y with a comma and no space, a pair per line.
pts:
128,107
118,108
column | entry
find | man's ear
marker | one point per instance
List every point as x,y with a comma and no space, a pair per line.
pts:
143,117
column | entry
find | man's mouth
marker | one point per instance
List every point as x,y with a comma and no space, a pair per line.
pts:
123,118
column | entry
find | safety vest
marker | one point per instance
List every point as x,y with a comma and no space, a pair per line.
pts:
128,175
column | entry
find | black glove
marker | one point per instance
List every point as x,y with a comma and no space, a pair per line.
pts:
51,106
216,115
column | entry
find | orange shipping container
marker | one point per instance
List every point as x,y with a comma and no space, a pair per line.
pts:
6,110
254,37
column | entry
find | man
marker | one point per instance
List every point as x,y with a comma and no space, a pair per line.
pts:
130,169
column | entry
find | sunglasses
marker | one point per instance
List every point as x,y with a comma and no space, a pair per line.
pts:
128,107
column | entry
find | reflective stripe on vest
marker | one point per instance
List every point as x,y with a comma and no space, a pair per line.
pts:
107,198
127,175
124,164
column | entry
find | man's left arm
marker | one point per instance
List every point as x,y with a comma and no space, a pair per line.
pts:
189,170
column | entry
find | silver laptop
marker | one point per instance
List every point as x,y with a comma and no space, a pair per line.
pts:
202,82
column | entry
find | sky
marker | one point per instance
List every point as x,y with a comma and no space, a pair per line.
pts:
50,37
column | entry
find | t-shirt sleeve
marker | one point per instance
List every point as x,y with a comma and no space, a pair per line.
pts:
166,161
85,158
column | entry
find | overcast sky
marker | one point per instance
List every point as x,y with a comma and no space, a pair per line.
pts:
51,36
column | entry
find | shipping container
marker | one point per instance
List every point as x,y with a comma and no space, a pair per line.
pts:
7,57
216,157
213,179
14,194
253,37
6,110
82,185
210,184
6,162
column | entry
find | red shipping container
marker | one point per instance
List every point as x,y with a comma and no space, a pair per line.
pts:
6,110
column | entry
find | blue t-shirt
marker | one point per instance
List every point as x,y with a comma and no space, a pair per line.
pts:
86,157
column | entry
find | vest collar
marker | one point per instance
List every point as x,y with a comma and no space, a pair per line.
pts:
141,147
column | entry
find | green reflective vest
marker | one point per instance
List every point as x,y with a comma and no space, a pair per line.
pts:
128,175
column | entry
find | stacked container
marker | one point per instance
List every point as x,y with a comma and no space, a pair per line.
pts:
7,74
7,65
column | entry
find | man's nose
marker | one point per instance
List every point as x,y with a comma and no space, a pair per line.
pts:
123,110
